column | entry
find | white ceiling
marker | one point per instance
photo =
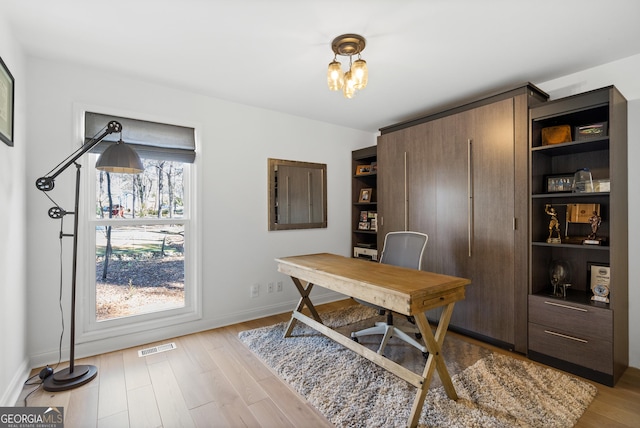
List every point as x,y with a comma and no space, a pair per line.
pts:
422,55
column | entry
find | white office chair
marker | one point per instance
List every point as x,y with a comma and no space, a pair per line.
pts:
404,249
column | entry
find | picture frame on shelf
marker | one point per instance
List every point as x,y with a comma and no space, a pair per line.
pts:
365,195
558,183
364,225
599,281
363,169
594,130
7,93
364,215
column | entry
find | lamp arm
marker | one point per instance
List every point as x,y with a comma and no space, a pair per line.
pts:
48,182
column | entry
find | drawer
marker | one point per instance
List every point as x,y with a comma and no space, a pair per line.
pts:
572,318
595,354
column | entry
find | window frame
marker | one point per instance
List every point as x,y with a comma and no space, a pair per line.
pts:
91,329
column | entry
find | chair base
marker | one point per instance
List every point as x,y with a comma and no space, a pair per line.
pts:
388,331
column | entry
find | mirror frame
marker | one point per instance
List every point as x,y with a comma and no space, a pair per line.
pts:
272,165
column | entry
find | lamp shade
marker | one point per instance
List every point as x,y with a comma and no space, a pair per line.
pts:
360,74
335,76
348,90
120,158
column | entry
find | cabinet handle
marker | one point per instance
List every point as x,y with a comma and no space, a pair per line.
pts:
406,196
309,198
288,199
564,336
470,195
565,306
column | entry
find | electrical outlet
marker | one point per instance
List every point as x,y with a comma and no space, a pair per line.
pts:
279,287
270,287
255,290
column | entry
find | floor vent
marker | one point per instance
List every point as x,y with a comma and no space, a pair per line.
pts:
156,349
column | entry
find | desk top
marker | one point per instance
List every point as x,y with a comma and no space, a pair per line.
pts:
402,290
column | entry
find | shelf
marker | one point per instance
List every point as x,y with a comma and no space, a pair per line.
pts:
572,246
573,296
372,174
591,145
364,204
568,195
365,232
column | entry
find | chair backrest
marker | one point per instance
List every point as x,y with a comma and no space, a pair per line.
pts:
404,249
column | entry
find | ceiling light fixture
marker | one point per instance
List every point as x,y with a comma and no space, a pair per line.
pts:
357,76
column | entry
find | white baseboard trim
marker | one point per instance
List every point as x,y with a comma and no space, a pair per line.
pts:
141,339
14,389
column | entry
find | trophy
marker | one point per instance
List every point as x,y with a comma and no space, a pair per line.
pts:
595,220
554,225
559,276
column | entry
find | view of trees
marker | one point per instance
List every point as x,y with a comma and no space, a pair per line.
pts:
157,192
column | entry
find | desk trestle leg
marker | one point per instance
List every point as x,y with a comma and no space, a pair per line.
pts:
435,361
304,301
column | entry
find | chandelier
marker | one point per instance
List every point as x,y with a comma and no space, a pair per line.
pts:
357,76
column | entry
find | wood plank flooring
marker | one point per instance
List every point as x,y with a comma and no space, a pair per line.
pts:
213,380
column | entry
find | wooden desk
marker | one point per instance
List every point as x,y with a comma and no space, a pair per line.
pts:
405,291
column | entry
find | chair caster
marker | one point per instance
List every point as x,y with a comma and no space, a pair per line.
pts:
418,335
425,355
355,339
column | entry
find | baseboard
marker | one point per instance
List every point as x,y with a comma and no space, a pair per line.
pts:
14,389
111,344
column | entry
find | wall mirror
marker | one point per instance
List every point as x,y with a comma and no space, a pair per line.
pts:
297,195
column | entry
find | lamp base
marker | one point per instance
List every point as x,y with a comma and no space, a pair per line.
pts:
65,380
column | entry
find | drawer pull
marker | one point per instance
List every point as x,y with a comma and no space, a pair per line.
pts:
565,336
565,306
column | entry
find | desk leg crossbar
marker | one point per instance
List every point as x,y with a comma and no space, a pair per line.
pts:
435,361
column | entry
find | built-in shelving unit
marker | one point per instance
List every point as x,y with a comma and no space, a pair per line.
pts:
364,203
567,328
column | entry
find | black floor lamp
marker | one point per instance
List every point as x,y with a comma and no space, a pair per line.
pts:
117,158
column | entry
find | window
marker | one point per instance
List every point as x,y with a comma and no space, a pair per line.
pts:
142,230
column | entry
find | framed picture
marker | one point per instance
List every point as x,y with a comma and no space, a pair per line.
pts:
363,169
364,216
363,225
365,195
6,104
599,281
558,183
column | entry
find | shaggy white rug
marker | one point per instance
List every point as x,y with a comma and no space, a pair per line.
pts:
494,390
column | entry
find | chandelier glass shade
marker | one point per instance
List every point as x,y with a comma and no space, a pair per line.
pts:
357,76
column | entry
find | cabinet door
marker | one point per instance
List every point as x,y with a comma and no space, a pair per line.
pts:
452,198
488,308
422,160
391,183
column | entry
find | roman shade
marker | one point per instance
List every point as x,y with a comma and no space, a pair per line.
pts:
151,140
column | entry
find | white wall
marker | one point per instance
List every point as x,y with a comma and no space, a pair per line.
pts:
624,75
234,144
13,286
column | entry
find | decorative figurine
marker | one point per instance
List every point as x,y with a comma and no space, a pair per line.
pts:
595,220
554,224
560,277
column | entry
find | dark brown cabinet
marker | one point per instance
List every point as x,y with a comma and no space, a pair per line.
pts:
461,177
568,329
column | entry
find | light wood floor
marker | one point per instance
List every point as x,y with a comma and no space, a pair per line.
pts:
213,380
